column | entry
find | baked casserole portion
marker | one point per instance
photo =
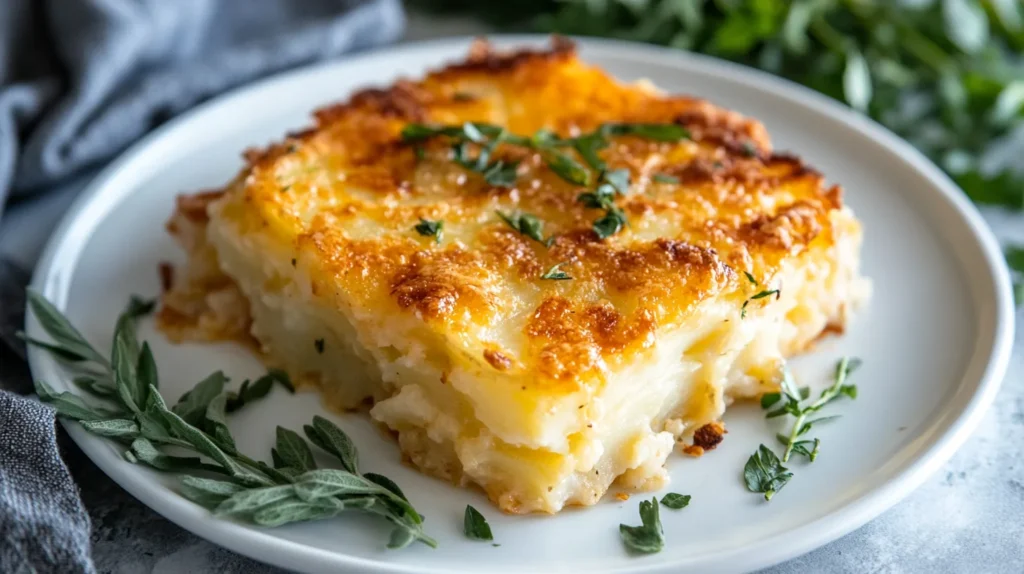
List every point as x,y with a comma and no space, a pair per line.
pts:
369,258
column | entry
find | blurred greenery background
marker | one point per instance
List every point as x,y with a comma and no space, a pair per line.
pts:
946,75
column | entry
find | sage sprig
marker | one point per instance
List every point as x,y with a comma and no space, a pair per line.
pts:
126,406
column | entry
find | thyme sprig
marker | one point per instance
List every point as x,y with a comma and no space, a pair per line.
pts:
764,471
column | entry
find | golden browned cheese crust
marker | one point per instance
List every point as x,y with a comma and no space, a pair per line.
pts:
348,193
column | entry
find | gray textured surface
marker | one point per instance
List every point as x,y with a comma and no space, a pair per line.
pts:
968,517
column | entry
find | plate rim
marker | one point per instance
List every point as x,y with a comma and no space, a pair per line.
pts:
269,548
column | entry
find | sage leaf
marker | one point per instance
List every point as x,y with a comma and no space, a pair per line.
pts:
204,445
95,386
249,500
113,428
123,360
146,452
386,482
69,405
208,492
145,370
326,435
289,511
328,482
191,407
216,423
57,326
293,451
62,354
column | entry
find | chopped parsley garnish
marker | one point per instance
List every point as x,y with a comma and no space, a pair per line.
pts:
665,178
618,179
603,197
551,148
676,501
528,225
556,274
610,224
428,228
749,149
501,173
587,146
649,537
566,167
475,526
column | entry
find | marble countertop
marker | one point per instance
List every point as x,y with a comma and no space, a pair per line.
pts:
968,517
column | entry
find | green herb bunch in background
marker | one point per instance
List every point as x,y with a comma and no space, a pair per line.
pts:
946,75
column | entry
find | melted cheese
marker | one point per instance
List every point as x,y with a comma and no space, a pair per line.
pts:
542,392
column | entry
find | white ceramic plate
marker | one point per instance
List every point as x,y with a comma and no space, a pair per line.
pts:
935,339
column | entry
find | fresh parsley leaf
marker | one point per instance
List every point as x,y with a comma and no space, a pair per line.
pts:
665,178
527,224
649,537
676,501
610,224
429,228
587,146
475,526
192,405
326,435
618,179
764,473
501,173
556,274
293,451
566,168
601,198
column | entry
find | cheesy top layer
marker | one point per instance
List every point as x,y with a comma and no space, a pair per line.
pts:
347,194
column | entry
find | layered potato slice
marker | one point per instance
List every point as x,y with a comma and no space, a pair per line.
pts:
542,392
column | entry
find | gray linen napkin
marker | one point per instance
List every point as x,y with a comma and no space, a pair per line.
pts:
80,80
